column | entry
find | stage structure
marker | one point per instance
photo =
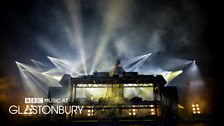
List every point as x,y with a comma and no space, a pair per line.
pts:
117,96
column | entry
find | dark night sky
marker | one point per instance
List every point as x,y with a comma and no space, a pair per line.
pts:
22,22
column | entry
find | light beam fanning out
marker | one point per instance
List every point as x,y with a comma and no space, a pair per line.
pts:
174,74
76,35
35,83
41,66
135,63
112,21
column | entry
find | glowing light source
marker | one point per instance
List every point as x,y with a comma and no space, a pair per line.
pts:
195,109
152,111
150,84
63,65
196,83
34,80
180,106
132,112
57,77
174,74
135,63
31,78
40,66
90,111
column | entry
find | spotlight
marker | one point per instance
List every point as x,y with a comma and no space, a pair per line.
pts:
151,85
34,80
132,112
57,77
195,109
152,110
174,74
135,63
16,62
180,106
90,111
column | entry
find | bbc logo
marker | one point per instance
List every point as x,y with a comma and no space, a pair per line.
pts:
34,100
